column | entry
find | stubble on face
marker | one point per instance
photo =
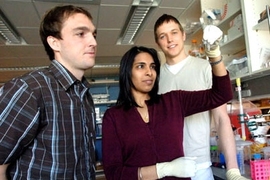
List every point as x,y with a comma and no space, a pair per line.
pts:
78,44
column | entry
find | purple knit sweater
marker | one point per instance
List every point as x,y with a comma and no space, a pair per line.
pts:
128,142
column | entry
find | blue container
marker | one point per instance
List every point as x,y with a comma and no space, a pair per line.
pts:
99,150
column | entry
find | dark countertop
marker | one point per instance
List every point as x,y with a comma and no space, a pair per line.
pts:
220,174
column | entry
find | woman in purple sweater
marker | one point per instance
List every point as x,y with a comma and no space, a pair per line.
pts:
143,133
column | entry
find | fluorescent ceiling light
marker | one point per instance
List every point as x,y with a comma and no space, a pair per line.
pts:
138,13
106,66
8,32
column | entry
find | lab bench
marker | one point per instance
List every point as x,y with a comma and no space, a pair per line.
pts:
220,173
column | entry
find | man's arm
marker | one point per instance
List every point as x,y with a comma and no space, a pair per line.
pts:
227,142
225,134
211,36
3,169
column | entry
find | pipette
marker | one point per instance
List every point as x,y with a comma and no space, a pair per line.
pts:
241,111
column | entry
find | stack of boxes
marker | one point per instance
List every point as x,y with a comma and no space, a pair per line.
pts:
100,98
98,122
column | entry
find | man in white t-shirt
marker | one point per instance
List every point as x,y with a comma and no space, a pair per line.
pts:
182,71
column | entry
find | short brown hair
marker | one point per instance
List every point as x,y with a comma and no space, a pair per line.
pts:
52,22
166,18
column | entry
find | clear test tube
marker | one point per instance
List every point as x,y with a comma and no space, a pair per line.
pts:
242,153
240,159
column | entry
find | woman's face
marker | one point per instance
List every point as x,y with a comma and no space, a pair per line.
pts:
143,73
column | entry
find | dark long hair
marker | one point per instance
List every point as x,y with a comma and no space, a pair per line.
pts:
125,97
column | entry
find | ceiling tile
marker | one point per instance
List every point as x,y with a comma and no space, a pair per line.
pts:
117,2
117,50
175,3
159,12
191,14
109,36
109,19
28,51
43,7
30,35
6,52
146,38
112,16
10,62
18,16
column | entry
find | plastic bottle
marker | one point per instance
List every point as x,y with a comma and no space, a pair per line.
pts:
242,152
194,49
266,153
214,145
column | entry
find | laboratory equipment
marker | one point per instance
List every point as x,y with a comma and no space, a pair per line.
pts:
242,153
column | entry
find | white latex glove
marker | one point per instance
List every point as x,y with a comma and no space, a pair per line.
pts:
211,37
234,174
180,167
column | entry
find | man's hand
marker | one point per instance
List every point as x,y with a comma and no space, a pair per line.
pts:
234,174
211,38
180,167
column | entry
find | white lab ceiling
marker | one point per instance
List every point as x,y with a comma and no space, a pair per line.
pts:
109,18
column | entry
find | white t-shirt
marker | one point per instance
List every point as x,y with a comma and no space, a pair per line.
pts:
191,74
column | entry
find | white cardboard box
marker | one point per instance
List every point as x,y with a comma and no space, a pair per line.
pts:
97,110
265,57
236,27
